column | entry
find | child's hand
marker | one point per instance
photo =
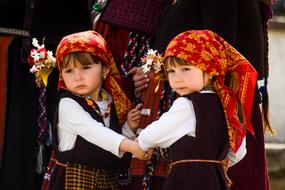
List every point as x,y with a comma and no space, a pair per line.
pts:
133,117
131,146
142,155
149,153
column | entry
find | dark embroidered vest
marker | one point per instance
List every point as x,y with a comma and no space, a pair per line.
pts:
210,143
86,153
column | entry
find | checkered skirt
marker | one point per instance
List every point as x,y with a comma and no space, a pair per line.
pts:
80,177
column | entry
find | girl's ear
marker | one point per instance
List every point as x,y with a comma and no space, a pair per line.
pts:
105,71
206,77
207,81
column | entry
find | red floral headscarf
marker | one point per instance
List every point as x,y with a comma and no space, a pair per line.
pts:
93,43
212,54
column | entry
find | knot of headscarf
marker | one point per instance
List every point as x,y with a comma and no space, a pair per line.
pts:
212,54
93,43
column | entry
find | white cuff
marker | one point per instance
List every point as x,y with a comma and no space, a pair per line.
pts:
127,132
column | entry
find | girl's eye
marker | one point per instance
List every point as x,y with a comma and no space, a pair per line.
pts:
169,71
86,67
67,70
185,69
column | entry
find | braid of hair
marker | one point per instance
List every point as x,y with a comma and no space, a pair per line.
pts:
266,50
267,14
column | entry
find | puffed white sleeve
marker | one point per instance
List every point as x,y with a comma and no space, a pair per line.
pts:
74,119
239,155
180,120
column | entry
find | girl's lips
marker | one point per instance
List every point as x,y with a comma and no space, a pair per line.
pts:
181,88
80,86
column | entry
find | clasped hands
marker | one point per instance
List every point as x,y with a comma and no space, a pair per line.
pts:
141,83
141,154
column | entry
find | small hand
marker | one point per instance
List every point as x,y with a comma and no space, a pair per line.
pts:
133,147
142,155
133,117
149,153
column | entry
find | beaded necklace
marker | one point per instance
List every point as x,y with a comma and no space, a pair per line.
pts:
104,97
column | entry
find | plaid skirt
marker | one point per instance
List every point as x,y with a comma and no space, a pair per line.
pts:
84,178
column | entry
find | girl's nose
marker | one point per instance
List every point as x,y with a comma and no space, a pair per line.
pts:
78,75
177,77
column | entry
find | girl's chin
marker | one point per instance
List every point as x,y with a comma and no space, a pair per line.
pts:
183,93
80,93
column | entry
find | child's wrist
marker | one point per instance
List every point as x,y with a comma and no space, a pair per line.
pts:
128,145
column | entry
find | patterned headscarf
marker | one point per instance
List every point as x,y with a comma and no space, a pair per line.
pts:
212,54
93,43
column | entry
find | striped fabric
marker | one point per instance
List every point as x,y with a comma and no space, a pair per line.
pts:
151,101
80,177
138,168
5,41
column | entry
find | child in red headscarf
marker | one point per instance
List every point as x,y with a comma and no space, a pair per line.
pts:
206,126
92,108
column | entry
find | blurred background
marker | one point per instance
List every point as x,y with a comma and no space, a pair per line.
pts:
275,145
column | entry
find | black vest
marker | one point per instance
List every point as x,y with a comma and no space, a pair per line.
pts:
84,152
210,143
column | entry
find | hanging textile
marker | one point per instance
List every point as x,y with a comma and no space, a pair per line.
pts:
5,41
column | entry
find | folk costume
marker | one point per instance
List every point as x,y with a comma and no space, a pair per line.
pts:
86,151
189,124
129,27
244,25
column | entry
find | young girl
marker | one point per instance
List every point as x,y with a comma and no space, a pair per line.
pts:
205,127
86,140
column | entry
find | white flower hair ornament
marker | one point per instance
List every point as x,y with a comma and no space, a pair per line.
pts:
152,60
42,62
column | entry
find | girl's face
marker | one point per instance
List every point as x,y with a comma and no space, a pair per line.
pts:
186,79
84,80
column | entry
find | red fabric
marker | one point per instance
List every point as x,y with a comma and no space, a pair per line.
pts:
151,100
138,168
4,45
89,42
212,54
256,176
117,40
50,167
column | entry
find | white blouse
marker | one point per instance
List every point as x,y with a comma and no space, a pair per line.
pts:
179,121
73,120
